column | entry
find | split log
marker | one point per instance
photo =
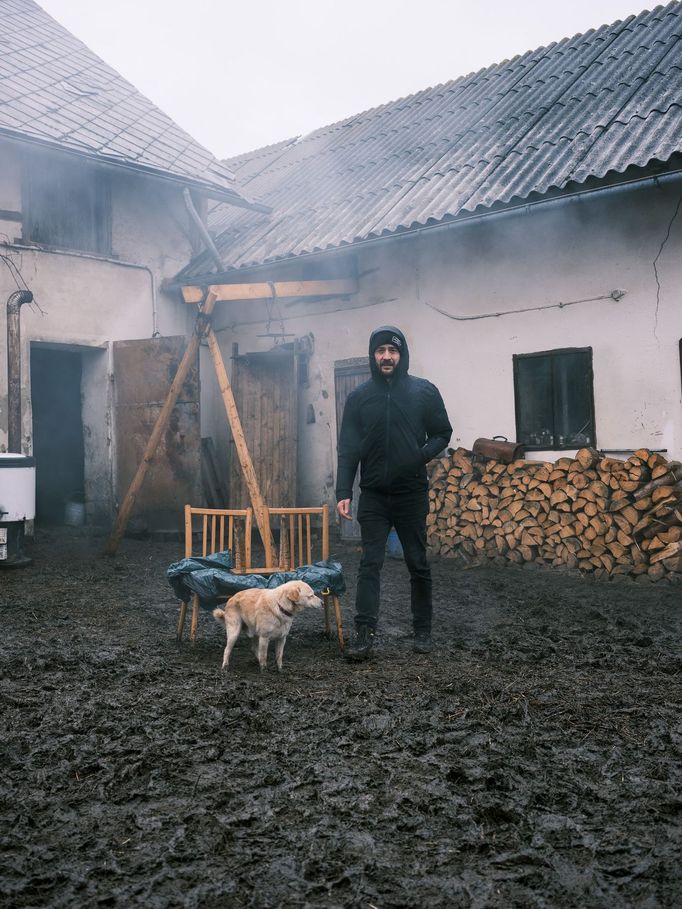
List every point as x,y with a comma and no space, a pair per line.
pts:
593,513
671,550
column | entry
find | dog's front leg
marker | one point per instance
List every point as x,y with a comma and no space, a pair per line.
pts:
279,651
263,653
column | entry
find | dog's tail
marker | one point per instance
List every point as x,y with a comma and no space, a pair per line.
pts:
219,615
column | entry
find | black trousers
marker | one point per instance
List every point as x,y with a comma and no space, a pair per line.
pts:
377,513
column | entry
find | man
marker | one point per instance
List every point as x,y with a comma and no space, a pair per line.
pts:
392,426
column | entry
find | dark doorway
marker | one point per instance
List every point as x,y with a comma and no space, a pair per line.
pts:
348,374
57,431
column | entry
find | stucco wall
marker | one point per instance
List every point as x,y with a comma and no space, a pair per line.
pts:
541,255
87,302
10,191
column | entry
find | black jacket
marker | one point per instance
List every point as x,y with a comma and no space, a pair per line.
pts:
392,428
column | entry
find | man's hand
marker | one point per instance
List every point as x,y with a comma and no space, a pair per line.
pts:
343,508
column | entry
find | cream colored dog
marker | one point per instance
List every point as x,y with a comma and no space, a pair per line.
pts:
267,616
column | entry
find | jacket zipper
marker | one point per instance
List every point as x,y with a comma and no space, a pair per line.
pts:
388,434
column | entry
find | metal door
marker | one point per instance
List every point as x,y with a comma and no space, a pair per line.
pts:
143,372
348,374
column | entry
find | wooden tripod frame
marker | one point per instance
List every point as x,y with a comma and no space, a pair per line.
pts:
202,328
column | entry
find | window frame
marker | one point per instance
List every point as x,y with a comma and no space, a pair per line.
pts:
554,355
97,180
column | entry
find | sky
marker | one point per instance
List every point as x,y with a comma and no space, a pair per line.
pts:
238,75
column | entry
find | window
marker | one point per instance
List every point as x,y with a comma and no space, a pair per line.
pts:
554,399
66,203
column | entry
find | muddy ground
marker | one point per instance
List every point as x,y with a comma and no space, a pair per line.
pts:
533,760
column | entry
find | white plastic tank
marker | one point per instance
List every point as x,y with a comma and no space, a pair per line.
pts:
17,487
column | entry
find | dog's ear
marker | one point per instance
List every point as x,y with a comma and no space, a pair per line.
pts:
294,593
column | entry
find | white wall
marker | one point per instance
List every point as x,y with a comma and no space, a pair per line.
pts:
542,255
87,302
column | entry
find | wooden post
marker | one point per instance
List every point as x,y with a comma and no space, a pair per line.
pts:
339,620
292,447
325,532
161,423
188,555
259,508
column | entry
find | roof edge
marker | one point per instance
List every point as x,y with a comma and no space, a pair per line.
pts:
552,196
206,187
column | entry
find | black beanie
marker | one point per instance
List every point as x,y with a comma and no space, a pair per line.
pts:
386,336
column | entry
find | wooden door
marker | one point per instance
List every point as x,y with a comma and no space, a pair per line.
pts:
265,387
348,374
143,372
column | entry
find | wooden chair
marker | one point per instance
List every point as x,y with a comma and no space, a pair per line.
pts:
298,546
217,529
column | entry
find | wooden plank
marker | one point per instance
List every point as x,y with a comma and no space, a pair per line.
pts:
195,617
214,483
266,400
208,481
259,507
161,424
188,554
247,538
325,532
340,287
188,532
290,429
143,370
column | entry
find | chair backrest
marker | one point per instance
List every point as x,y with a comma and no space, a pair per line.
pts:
210,530
300,541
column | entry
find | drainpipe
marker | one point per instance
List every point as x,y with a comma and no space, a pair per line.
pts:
14,303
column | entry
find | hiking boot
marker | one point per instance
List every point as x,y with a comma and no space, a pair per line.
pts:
361,646
422,642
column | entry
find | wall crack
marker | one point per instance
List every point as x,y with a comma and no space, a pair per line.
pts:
658,256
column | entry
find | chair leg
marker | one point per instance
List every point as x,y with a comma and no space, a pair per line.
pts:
327,621
339,620
181,620
195,617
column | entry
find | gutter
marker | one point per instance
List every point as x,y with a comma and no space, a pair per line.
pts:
458,221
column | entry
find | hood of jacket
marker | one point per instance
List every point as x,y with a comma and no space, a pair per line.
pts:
403,365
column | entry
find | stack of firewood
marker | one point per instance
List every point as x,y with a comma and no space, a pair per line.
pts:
592,513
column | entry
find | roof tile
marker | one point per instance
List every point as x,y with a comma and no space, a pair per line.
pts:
590,104
46,76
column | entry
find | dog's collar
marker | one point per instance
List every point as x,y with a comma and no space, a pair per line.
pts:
285,611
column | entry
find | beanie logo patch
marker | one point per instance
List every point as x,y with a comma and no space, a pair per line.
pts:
397,341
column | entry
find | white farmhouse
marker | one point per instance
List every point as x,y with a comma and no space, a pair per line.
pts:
521,225
101,196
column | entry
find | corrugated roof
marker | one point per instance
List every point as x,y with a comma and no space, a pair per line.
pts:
599,102
55,90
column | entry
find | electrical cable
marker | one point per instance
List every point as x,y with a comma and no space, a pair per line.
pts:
614,295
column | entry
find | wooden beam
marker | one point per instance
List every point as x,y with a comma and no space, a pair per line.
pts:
338,287
259,508
161,423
